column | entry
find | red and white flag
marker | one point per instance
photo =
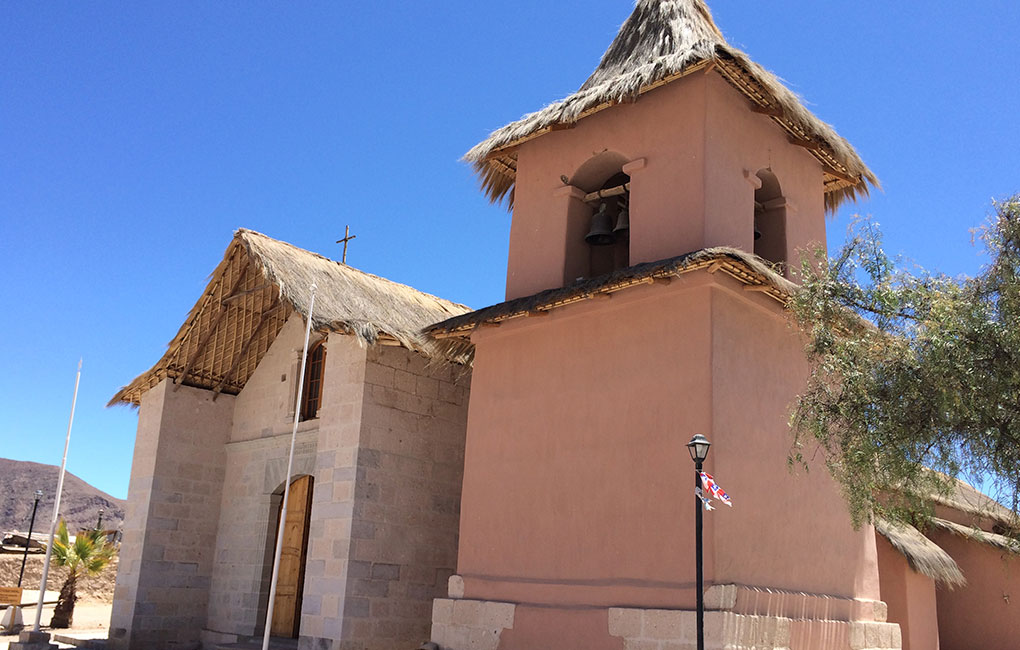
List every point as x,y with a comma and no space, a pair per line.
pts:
709,486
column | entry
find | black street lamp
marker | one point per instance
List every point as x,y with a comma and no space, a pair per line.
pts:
698,446
31,525
99,524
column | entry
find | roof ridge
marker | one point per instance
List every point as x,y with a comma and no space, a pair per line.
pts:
241,232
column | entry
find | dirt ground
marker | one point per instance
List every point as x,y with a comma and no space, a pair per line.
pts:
95,595
91,617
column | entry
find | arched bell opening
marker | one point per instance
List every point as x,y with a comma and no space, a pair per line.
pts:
600,241
608,237
770,220
286,620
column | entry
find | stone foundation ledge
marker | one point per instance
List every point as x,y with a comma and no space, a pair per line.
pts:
470,624
658,629
761,601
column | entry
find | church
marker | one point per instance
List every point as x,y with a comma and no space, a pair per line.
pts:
516,477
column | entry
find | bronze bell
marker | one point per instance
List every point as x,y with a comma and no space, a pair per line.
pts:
601,232
622,222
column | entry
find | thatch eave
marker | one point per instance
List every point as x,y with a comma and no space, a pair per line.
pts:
923,555
747,268
259,284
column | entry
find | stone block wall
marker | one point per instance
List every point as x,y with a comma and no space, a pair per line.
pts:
386,453
255,468
170,526
255,471
326,592
407,498
474,624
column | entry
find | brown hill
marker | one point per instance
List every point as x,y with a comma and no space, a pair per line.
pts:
79,506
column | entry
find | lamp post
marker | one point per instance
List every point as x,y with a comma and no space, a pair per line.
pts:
31,525
698,447
99,524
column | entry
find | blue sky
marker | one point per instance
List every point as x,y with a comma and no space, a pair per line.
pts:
136,137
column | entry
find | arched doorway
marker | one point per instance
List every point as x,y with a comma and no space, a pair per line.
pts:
290,584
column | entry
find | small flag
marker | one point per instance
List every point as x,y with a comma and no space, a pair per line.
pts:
708,484
701,495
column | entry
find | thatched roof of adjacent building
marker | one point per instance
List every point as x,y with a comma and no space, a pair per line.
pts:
972,501
259,284
662,41
753,271
923,555
1001,542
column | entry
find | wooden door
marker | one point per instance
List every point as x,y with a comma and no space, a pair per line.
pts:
290,584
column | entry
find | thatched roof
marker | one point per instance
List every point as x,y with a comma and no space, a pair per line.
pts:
749,269
664,40
256,288
923,555
1000,542
971,501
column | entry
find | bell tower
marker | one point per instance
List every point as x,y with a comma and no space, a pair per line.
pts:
657,214
695,127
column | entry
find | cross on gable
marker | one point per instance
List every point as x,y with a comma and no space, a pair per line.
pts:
347,237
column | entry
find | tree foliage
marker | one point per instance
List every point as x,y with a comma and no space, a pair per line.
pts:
912,371
88,554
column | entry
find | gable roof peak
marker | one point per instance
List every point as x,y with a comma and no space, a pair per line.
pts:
655,30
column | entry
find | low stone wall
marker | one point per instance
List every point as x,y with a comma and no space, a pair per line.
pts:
93,588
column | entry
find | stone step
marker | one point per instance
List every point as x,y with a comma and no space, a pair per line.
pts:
256,644
86,644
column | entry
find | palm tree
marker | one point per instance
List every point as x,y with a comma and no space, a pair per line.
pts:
88,555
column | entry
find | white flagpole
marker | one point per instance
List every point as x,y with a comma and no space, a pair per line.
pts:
56,507
286,485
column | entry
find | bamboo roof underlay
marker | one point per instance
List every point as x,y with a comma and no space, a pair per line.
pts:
662,41
923,555
259,284
754,272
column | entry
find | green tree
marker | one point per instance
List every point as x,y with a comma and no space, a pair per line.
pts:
89,554
912,371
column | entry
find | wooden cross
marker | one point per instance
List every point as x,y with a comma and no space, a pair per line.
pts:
347,237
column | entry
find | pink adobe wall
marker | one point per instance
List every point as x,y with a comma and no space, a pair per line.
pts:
986,613
737,139
695,146
577,482
910,597
758,368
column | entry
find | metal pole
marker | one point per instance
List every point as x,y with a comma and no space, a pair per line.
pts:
99,524
286,483
56,507
698,558
31,525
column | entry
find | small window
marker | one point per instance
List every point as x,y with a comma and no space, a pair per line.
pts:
311,399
